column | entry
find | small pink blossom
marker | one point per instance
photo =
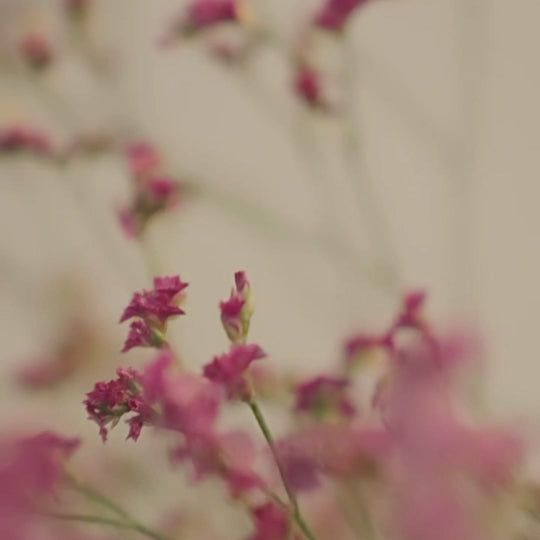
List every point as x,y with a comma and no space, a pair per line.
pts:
143,159
229,369
271,521
153,309
323,394
36,50
20,138
109,401
229,456
185,402
308,87
153,195
332,449
236,312
334,14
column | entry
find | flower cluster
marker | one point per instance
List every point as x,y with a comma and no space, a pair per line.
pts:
151,311
153,193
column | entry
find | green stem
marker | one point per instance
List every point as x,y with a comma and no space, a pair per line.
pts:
296,513
119,524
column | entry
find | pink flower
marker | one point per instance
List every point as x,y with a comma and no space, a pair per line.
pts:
31,469
229,369
153,195
229,456
331,449
437,457
203,13
271,522
335,13
141,335
153,309
109,401
411,314
323,394
36,50
186,403
20,138
236,312
307,84
143,159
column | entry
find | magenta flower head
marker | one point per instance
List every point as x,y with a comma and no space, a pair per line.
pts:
152,310
324,395
361,346
230,368
36,50
109,401
271,522
236,312
334,14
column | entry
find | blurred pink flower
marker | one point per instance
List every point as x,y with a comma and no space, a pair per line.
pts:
324,394
271,521
21,138
308,87
334,14
36,50
143,159
332,449
31,469
229,369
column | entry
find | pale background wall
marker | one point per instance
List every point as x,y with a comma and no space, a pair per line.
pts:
209,126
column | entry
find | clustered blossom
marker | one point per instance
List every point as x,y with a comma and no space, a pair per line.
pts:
151,311
230,369
36,51
324,395
154,191
31,469
236,312
334,14
109,401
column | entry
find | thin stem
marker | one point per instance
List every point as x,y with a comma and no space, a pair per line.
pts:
296,513
96,496
354,156
118,524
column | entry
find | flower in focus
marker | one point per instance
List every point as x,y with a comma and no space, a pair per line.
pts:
109,401
31,469
230,368
324,395
236,312
334,14
152,310
36,51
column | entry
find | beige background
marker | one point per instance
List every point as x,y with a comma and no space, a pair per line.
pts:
433,75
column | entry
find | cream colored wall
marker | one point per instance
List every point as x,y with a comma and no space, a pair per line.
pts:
210,126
